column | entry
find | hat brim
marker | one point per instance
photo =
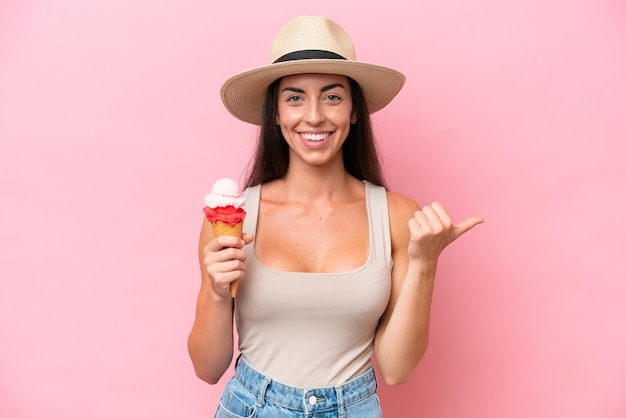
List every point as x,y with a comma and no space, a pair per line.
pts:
244,94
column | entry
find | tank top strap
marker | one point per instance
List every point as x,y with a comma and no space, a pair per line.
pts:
376,201
253,199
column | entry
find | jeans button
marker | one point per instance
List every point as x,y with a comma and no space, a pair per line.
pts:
312,400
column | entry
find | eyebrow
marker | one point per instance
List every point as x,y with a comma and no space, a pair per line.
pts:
323,89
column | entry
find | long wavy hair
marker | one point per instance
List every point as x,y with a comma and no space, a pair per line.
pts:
271,158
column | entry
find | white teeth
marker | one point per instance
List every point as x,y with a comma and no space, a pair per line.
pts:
314,137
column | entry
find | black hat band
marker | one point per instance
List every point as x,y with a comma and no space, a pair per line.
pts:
309,54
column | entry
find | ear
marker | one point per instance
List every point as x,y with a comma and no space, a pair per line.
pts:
277,119
353,118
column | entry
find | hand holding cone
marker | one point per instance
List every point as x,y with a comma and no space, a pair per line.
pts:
224,210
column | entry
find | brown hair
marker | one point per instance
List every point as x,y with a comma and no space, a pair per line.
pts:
271,158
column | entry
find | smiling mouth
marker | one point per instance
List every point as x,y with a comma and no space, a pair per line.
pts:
314,137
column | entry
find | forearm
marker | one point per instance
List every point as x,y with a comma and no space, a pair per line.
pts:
401,344
210,341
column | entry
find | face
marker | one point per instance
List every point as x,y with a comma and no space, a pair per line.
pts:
314,114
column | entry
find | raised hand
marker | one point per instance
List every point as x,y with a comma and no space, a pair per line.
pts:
432,230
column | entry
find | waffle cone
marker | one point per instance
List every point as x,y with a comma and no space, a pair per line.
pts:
233,288
223,228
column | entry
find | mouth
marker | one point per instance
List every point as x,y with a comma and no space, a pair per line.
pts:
309,137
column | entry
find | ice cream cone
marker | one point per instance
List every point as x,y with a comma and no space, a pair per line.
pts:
233,288
224,210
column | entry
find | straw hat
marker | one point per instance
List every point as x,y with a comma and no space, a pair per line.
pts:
309,44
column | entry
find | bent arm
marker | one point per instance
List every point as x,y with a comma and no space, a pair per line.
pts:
210,341
402,335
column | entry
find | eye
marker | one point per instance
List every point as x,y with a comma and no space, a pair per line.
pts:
293,99
333,98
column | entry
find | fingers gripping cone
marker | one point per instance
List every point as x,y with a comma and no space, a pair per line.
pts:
223,228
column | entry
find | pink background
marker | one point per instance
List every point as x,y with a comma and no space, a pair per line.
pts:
111,127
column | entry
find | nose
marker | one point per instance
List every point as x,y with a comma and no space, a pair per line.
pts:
314,114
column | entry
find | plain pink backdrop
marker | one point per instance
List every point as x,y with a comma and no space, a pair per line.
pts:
112,130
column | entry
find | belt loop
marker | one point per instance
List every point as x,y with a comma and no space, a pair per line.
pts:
260,399
340,405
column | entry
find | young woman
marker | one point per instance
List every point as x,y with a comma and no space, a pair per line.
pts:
333,268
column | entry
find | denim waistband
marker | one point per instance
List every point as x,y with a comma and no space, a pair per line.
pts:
308,400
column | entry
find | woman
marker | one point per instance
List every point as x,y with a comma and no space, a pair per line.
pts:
332,267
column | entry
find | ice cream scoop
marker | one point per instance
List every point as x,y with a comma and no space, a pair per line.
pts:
225,192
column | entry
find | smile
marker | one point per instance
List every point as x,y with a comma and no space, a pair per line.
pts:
314,137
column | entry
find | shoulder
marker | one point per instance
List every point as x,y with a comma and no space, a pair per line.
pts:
271,189
401,209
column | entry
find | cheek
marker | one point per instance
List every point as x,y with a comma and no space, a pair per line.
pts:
285,116
345,117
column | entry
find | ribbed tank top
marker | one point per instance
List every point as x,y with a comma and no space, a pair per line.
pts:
311,330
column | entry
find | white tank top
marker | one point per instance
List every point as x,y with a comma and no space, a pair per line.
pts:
312,330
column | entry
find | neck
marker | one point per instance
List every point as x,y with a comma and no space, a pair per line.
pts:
316,182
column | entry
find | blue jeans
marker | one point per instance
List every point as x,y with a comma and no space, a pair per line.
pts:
251,394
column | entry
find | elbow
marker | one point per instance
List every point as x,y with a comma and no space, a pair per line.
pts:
207,366
210,378
396,373
208,371
395,379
